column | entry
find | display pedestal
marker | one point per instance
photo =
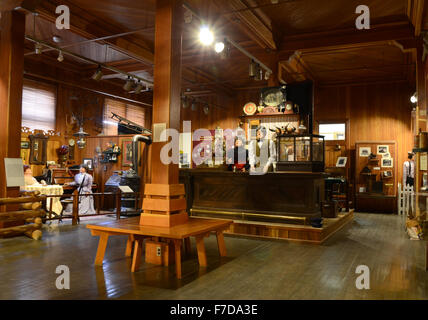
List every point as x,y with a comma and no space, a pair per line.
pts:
164,205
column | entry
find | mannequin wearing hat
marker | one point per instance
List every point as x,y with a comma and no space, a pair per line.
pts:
83,181
261,152
409,170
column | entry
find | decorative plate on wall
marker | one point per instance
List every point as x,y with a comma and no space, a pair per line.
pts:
250,108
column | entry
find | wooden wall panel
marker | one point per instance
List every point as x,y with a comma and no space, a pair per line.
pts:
375,112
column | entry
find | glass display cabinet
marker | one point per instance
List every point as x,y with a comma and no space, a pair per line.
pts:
300,153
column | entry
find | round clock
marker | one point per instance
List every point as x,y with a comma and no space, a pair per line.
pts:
289,106
71,142
250,108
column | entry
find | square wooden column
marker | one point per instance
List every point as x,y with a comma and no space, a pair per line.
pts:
164,203
12,33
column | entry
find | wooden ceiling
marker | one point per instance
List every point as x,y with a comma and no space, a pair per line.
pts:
306,39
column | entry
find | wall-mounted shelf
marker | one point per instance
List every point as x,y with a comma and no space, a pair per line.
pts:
293,116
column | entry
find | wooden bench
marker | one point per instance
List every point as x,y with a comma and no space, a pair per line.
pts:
195,227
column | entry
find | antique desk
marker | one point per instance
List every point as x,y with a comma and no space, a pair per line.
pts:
195,227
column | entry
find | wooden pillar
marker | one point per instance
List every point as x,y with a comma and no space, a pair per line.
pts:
164,203
421,88
273,64
12,32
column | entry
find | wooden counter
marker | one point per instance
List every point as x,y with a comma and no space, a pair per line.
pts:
273,197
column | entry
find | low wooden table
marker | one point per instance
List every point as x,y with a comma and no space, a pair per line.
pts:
195,227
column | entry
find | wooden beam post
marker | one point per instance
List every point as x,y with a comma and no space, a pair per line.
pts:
12,32
164,203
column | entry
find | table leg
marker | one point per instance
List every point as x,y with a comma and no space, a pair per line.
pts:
136,259
129,244
102,245
221,244
202,256
177,249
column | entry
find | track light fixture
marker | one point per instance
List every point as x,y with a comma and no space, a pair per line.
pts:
185,103
206,109
219,47
194,107
38,48
98,74
253,69
128,85
414,98
60,57
139,87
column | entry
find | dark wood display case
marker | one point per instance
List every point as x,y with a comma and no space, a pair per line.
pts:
300,152
375,190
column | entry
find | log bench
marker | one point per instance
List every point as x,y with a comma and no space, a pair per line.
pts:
195,227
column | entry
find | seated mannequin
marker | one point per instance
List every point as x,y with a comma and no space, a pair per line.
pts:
28,177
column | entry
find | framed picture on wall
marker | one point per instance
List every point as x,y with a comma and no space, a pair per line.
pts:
387,162
89,163
127,153
365,151
381,149
341,162
25,144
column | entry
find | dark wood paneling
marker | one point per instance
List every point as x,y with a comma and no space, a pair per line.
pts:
375,112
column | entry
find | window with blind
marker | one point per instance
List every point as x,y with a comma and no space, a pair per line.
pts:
38,105
131,112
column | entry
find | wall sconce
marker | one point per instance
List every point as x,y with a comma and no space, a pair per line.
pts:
81,142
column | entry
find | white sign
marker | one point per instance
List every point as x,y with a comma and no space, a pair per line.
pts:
14,168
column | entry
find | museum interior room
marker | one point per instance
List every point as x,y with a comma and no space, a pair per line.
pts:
216,149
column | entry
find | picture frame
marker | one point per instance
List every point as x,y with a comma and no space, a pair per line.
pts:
382,149
365,151
89,162
127,153
25,144
341,162
387,174
387,163
386,155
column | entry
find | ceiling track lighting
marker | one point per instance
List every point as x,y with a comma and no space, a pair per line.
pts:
414,98
40,44
219,47
194,106
206,37
128,84
185,103
60,57
206,109
253,69
139,87
38,48
98,74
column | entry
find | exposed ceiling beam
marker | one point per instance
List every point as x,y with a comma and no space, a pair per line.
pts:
415,12
350,36
82,25
251,24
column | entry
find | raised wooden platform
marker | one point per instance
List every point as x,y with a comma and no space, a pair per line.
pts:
292,232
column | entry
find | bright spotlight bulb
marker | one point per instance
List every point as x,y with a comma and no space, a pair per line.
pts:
206,36
413,99
219,47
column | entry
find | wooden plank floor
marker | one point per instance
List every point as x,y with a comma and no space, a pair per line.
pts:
254,269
